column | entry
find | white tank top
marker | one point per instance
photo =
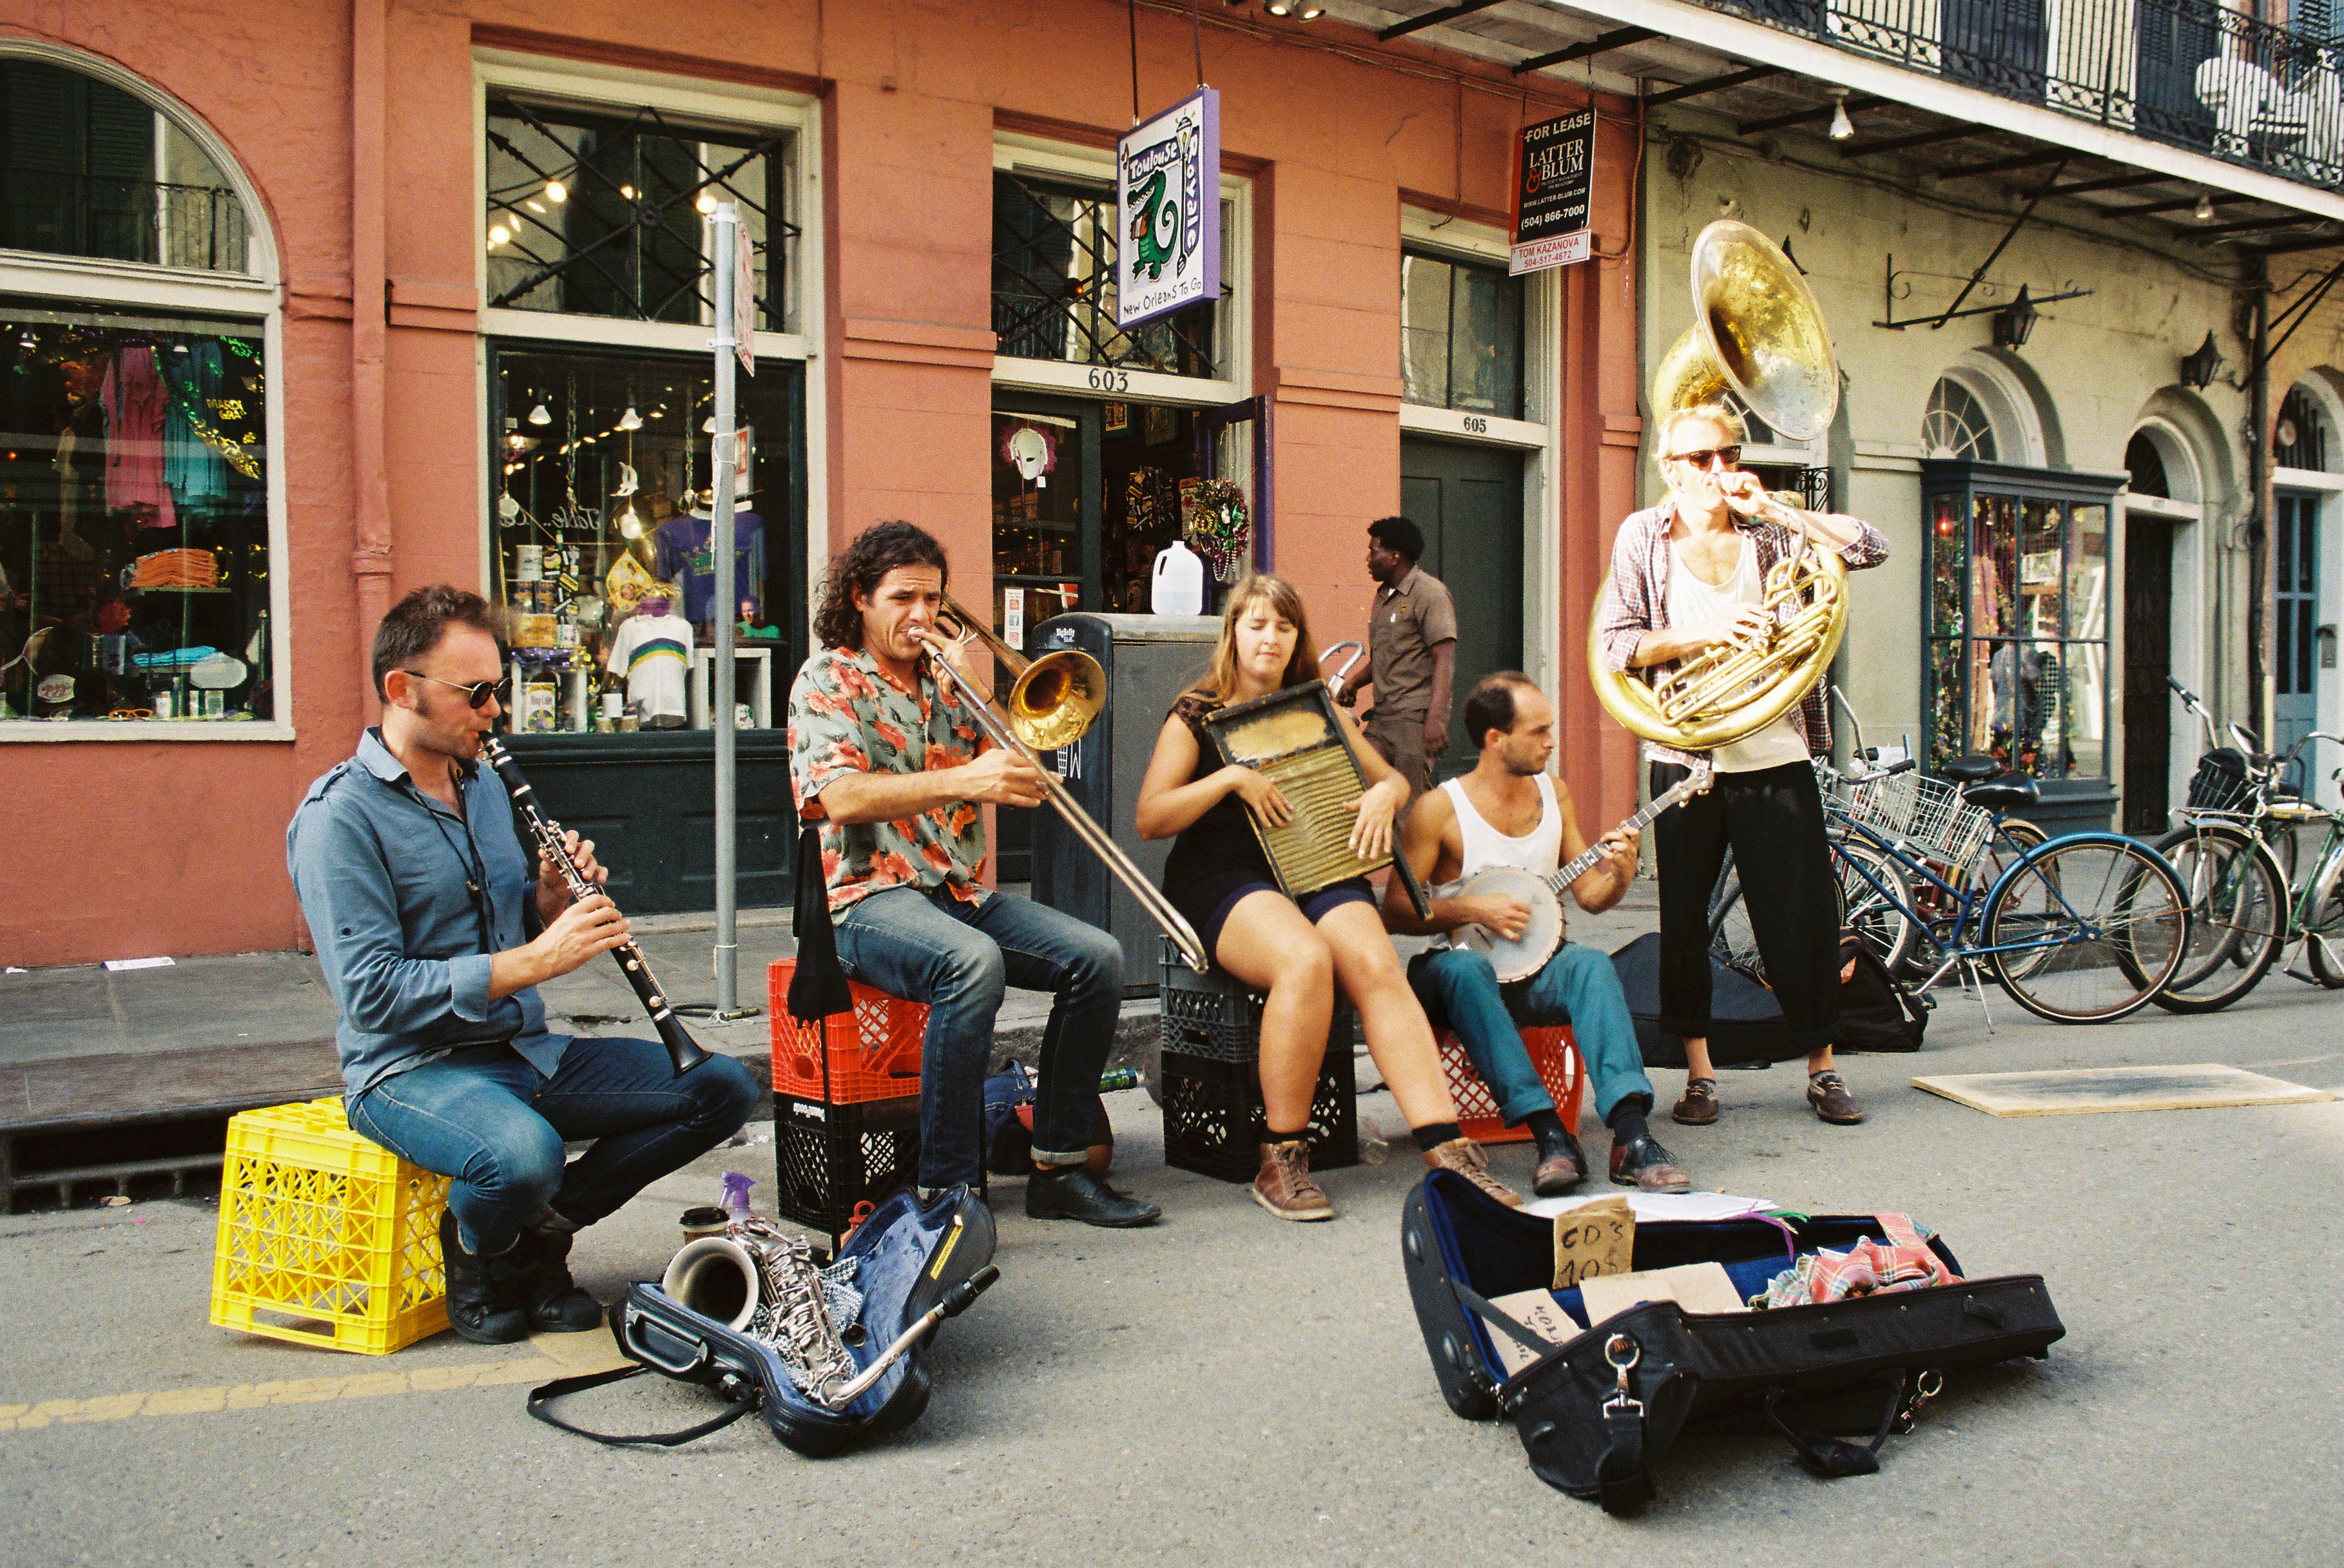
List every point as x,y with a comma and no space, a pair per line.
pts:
1692,600
1537,851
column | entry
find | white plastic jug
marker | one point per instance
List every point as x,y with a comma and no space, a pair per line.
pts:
1179,588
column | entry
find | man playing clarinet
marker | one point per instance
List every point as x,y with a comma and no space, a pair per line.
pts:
890,763
434,932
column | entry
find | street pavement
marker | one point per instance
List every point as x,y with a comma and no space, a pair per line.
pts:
1223,1388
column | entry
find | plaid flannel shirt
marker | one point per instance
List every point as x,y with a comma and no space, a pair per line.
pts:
1638,603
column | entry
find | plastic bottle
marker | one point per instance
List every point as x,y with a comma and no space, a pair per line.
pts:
735,1201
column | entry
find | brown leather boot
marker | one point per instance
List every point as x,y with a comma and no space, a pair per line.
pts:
1472,1161
1284,1186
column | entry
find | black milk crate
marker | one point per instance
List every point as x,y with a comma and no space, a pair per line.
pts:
1213,1121
1215,1014
828,1158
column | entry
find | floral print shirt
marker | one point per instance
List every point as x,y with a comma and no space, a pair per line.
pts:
847,715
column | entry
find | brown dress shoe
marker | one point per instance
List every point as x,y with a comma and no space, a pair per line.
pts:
1644,1165
1562,1168
1832,1100
1284,1186
1472,1161
1699,1106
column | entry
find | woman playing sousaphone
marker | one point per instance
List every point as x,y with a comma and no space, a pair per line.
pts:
1297,953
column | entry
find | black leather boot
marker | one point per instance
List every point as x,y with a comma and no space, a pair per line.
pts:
483,1293
551,1297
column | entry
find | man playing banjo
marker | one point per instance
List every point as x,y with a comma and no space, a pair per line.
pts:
1511,812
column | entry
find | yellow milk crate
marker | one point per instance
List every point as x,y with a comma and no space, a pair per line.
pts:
326,1238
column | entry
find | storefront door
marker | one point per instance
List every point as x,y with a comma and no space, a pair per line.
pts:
2295,665
2148,660
1468,501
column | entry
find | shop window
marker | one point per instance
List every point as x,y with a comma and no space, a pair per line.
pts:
1954,425
2017,634
1460,336
599,515
2299,438
604,213
89,169
1055,248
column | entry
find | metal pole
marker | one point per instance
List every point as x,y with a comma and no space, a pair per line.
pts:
2262,597
721,699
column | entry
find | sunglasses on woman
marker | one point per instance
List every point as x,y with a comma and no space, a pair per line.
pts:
477,693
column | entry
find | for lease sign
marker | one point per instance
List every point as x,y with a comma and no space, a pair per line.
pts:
1554,164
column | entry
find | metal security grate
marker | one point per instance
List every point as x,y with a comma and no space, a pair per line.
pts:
1054,286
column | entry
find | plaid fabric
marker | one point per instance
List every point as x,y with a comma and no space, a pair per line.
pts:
1903,1263
1638,603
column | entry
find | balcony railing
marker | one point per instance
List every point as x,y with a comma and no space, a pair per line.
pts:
191,225
2191,73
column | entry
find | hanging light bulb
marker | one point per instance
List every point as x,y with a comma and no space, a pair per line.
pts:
630,421
706,204
556,192
2204,211
627,191
629,525
1842,128
540,415
497,234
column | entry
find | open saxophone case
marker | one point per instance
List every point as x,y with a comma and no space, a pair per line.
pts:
1598,1405
831,1355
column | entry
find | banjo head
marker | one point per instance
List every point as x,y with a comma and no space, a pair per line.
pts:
1526,955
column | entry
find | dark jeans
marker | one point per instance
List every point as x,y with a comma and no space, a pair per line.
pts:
494,1124
929,946
1578,987
1773,821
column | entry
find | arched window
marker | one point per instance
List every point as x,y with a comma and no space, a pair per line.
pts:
141,524
1956,424
2145,466
2299,438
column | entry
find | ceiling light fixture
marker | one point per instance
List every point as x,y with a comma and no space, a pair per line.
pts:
540,415
2204,211
630,421
1842,128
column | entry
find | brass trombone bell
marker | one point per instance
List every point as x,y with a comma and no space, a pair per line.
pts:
1757,332
1054,699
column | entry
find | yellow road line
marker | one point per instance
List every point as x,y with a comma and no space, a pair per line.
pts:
287,1391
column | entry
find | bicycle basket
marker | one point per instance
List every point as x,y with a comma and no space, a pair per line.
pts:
2221,783
1925,813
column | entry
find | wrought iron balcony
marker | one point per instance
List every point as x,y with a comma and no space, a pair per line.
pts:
189,225
2188,72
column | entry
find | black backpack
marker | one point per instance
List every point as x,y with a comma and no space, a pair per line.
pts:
1876,1012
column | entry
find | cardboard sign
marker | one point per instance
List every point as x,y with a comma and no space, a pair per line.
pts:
1695,1286
1167,201
1554,167
1539,1313
1593,1238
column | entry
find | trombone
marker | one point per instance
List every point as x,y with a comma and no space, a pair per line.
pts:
1054,700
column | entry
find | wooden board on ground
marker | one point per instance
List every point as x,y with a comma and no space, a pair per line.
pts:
2198,1086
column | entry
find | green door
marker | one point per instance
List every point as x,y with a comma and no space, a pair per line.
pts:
1468,501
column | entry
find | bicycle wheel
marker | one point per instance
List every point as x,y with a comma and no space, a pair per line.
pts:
1732,941
1873,895
2088,930
2237,915
2323,932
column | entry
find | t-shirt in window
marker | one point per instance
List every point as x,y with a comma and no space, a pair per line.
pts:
682,553
654,653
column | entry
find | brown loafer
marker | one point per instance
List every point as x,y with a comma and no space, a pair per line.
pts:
1472,1161
1831,1101
1644,1164
1699,1106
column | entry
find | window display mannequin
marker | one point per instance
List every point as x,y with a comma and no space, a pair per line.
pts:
653,648
683,554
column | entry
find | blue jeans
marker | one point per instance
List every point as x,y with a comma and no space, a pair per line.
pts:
929,946
1578,987
494,1125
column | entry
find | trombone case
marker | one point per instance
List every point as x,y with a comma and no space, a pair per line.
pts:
1598,1411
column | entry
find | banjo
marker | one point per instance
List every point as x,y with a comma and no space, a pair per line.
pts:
1527,953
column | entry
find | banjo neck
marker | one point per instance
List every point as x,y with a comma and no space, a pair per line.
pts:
1693,784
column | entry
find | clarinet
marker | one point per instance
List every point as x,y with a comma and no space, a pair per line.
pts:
681,1049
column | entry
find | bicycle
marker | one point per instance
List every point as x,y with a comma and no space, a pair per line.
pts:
2236,853
2086,927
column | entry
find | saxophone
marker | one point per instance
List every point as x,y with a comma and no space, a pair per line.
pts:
762,1282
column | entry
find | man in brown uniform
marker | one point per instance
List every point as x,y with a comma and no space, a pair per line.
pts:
1411,654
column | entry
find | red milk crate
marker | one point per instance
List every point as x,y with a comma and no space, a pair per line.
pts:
1554,1052
848,1059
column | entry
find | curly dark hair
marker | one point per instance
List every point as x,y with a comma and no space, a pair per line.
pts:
1399,534
874,553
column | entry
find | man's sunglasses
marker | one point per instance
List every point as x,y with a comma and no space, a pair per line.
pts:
1703,458
478,693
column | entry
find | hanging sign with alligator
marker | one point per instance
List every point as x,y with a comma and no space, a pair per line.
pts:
1167,200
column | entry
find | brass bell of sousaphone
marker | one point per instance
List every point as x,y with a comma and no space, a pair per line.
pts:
1757,333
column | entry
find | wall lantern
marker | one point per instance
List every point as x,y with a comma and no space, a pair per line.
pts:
2198,369
2014,322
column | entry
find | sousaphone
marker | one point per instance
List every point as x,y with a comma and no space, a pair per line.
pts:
1757,333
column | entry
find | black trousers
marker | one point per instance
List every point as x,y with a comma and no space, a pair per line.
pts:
1773,822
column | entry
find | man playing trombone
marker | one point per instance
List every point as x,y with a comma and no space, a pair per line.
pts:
894,765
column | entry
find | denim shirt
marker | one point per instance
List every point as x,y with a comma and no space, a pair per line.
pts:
380,869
